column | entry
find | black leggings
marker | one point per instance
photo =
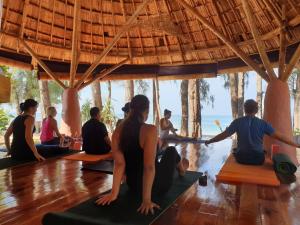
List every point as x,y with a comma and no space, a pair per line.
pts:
164,170
54,141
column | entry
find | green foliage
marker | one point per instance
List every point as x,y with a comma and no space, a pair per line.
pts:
296,132
205,95
4,120
292,81
55,92
142,86
85,110
108,115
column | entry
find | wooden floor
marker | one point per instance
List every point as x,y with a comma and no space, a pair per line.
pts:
28,192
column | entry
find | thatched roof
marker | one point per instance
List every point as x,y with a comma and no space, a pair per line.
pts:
165,33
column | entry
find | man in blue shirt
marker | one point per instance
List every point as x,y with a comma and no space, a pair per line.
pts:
250,132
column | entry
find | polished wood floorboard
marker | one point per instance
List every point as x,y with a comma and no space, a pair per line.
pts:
28,192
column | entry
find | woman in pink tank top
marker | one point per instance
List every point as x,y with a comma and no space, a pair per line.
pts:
49,129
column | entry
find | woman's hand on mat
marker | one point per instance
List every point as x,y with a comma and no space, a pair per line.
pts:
39,157
147,207
106,199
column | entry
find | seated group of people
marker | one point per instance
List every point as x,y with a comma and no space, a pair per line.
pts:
134,146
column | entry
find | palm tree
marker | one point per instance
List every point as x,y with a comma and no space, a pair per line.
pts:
45,96
194,109
129,90
96,91
156,105
109,90
236,84
184,89
259,95
294,83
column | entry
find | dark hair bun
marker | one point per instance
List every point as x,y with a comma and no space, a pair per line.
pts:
139,103
29,103
21,106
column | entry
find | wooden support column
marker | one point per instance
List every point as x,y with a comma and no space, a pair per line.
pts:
75,41
124,29
41,63
248,210
257,38
230,44
105,73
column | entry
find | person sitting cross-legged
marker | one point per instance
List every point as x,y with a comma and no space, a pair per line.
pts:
250,131
94,135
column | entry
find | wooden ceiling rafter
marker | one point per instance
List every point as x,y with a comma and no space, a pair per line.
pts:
126,26
259,43
75,41
282,49
41,63
233,46
273,12
127,34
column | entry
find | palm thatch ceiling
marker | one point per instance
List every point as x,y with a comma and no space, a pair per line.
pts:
163,33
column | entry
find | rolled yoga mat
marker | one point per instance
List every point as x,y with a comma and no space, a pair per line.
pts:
124,210
9,162
283,164
103,166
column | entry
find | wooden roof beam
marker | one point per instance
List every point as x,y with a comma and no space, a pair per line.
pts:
75,41
231,45
272,10
105,73
41,63
114,41
282,47
259,44
289,67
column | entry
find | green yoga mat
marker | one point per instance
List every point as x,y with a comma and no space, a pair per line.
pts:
124,210
283,164
9,162
284,168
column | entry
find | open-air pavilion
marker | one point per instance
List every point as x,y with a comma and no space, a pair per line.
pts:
77,42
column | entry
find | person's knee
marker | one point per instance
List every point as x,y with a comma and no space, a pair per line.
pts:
172,152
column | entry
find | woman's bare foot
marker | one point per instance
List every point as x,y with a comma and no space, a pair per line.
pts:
183,166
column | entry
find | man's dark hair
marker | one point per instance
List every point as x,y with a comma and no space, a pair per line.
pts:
166,112
94,111
250,106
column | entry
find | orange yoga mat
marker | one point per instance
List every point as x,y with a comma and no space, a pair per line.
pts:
88,158
233,172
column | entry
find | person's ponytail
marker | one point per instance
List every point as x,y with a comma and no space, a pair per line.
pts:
131,126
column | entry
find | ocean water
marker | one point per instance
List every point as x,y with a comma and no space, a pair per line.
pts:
208,122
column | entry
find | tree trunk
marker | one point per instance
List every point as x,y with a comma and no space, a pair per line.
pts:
45,96
194,108
156,106
259,95
241,85
184,89
233,85
297,104
129,90
109,90
96,91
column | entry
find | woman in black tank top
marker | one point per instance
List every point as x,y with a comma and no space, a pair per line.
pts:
22,146
134,148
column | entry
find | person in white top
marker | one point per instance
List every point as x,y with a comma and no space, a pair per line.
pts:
166,126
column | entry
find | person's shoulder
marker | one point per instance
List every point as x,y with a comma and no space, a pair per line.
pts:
149,128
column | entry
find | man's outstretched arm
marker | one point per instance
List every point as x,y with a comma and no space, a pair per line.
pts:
218,138
284,139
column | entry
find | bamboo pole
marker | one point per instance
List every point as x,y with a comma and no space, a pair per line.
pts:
259,44
231,45
289,67
41,63
282,47
105,73
75,41
114,41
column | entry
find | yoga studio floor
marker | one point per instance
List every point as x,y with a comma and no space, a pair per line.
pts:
28,192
